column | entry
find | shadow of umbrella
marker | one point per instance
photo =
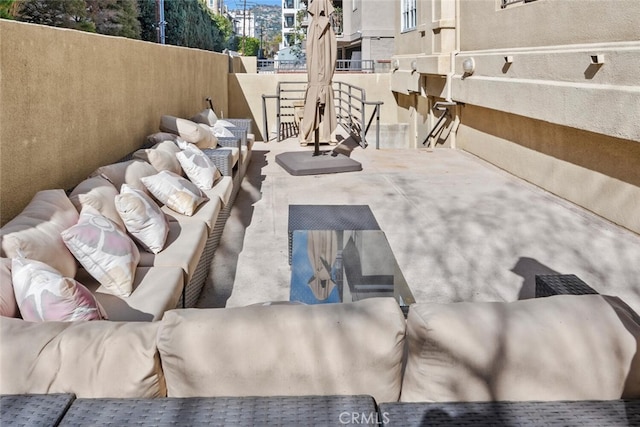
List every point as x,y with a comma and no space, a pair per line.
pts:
319,110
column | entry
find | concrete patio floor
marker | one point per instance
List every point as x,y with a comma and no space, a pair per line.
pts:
460,228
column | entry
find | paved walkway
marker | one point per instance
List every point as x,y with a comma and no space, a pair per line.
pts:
461,229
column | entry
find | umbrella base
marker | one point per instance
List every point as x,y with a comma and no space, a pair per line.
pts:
305,163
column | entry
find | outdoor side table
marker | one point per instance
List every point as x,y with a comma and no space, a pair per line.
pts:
561,284
329,217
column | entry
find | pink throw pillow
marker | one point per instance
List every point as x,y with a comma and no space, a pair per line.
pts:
43,294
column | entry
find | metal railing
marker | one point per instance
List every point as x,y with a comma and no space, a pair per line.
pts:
351,108
350,105
271,66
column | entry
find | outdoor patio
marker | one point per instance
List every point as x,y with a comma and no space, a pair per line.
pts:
460,228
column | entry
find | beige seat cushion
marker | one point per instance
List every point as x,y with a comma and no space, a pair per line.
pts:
99,193
222,190
183,248
207,213
88,358
129,172
564,347
35,232
351,348
155,290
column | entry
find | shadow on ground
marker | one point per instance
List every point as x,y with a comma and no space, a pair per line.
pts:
219,285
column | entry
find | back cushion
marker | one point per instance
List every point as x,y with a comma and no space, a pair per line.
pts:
8,304
100,194
129,172
351,348
90,359
35,232
565,347
160,159
185,129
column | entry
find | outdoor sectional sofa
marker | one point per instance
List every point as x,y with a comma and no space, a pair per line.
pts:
564,359
172,277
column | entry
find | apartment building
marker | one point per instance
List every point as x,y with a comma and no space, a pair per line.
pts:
290,9
547,90
365,29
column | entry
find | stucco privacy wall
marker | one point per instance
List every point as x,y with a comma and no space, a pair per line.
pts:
246,90
72,101
596,171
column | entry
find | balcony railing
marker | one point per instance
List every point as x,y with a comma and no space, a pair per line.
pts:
270,66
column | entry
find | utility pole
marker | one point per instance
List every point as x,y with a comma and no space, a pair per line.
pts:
244,27
260,52
161,22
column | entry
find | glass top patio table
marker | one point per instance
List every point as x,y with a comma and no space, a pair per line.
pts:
345,265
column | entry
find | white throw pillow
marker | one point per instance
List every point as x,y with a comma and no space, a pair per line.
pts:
199,167
220,131
179,194
224,123
143,218
206,116
105,251
43,294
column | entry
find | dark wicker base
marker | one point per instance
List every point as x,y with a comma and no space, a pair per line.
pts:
220,411
561,284
576,413
34,409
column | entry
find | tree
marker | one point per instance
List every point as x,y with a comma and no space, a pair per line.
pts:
147,20
251,46
8,9
115,17
225,27
299,34
56,13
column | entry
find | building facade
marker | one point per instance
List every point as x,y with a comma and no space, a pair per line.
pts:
547,90
244,22
365,29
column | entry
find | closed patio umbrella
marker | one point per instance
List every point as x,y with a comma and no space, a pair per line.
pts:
322,249
319,111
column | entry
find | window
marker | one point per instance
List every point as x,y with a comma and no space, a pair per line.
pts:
409,14
288,4
288,21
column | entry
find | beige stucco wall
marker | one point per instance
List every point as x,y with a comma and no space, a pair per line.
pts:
546,23
246,90
596,171
72,101
535,105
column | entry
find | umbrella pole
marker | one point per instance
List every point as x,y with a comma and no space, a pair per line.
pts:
316,151
316,136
